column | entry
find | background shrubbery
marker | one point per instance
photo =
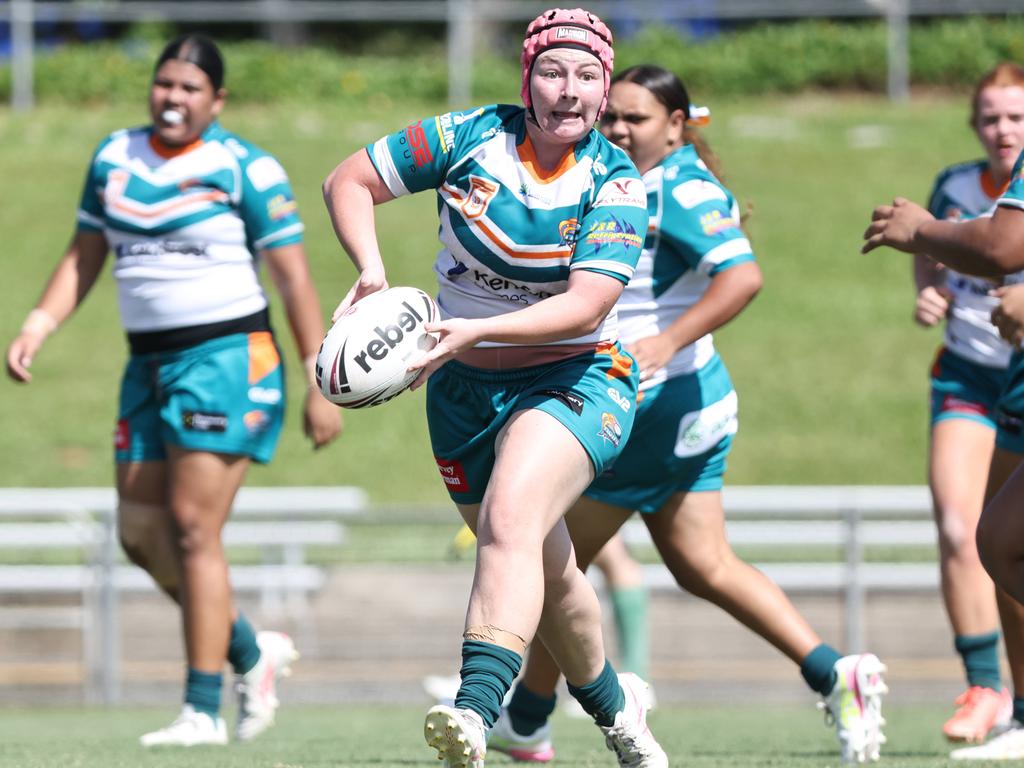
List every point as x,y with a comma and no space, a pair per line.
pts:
762,58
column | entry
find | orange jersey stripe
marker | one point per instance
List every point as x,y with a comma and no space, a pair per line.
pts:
521,254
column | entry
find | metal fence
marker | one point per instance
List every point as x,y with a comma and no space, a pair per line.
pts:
845,520
462,17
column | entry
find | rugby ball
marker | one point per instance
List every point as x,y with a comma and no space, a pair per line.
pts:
363,359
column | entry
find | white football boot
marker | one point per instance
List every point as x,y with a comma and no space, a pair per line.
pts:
458,735
1009,745
257,688
854,706
534,748
190,729
629,737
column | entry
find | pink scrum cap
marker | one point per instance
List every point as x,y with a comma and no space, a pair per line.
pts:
559,28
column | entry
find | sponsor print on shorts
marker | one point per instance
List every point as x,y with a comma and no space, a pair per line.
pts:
610,429
122,435
1010,423
256,421
571,400
954,404
700,431
204,421
453,474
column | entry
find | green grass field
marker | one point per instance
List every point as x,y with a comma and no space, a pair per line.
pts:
831,372
389,737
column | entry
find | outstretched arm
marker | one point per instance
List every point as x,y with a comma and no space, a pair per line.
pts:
987,246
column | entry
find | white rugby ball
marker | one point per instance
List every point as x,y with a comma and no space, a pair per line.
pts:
363,359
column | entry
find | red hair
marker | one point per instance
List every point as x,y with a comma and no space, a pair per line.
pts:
1005,74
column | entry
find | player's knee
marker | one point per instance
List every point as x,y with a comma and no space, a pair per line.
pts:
193,534
955,538
141,528
705,576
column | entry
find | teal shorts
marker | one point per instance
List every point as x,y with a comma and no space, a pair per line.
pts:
1010,410
965,390
682,435
225,395
593,395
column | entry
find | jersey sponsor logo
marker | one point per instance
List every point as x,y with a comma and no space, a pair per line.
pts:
122,435
453,474
612,232
204,421
481,192
692,193
265,172
610,429
256,421
714,222
464,117
570,399
568,231
417,139
622,192
572,33
507,289
446,131
529,192
280,207
265,395
619,399
151,249
954,404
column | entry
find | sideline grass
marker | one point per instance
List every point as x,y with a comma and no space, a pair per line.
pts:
831,373
389,737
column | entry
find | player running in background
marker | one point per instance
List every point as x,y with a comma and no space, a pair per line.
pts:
993,247
968,375
190,210
529,395
696,273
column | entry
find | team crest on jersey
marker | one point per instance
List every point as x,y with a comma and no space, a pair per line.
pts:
568,231
610,429
481,191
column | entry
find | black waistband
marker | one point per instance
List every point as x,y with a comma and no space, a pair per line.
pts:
179,338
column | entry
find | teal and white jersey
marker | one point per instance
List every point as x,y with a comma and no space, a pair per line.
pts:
966,191
510,231
694,233
1013,197
186,224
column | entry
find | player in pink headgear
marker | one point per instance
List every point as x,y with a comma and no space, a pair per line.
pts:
560,28
542,220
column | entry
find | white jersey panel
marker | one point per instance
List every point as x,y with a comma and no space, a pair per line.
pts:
960,193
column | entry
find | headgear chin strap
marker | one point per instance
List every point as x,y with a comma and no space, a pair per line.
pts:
559,28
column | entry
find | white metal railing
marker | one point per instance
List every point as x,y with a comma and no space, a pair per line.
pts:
461,19
85,519
847,517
